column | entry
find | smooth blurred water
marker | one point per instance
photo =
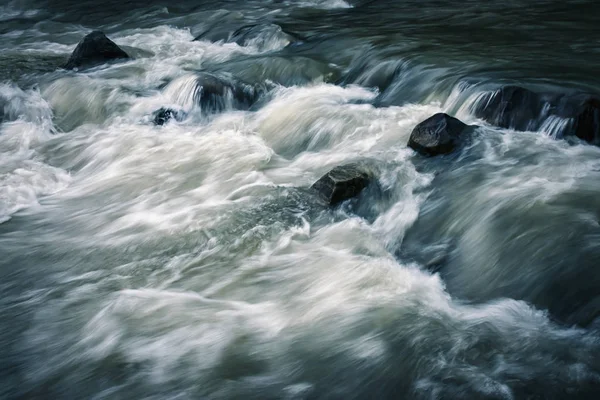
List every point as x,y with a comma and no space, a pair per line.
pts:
190,260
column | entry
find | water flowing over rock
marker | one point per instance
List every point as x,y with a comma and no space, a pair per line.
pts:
217,93
95,49
342,183
436,135
587,122
511,107
164,115
514,107
264,36
240,217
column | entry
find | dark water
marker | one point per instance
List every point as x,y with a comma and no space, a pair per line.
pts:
188,261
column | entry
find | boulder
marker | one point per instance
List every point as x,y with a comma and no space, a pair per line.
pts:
521,109
438,134
164,115
261,35
95,49
511,107
217,93
342,183
587,122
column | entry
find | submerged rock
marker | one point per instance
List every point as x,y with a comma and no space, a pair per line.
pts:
164,115
94,49
511,107
436,135
342,183
264,36
261,35
281,69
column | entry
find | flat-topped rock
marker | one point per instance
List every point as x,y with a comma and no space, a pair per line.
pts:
438,134
342,183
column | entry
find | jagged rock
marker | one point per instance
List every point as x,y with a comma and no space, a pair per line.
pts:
438,134
511,107
164,115
94,49
342,183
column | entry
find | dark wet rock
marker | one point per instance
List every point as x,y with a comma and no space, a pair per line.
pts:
521,109
436,135
587,122
342,183
217,93
511,107
95,49
164,115
3,104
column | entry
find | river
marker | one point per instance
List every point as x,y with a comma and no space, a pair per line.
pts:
190,261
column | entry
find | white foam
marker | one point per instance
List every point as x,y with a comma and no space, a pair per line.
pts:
23,176
324,4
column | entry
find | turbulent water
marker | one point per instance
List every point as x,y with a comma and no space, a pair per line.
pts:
190,261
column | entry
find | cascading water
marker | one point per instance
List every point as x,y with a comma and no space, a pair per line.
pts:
190,259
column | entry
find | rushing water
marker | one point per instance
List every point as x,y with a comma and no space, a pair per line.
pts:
189,261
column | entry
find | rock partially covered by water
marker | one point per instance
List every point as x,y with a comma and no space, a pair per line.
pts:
95,49
587,122
265,36
521,109
164,115
436,135
511,107
342,183
217,93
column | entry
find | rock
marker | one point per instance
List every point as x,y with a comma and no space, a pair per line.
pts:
3,104
342,183
216,25
217,93
95,49
265,36
587,122
521,109
511,107
438,134
164,115
282,69
262,36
